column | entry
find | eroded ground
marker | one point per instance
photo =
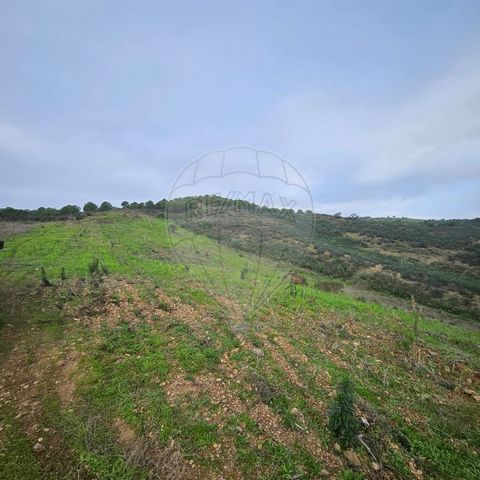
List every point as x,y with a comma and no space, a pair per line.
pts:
114,378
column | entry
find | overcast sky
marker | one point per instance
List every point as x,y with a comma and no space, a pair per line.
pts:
376,103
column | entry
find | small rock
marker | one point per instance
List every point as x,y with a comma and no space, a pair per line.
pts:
416,472
337,447
298,414
324,473
352,458
376,466
38,447
40,439
258,352
472,393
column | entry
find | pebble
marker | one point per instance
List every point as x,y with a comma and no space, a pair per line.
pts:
352,458
38,447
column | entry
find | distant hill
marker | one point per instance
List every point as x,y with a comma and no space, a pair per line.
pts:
435,261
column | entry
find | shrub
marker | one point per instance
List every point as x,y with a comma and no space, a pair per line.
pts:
45,281
243,273
70,210
96,268
330,285
298,280
93,267
90,207
105,206
342,421
163,305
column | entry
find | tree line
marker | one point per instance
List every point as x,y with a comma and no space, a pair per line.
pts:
159,208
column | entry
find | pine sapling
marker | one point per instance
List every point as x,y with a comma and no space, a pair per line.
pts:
343,423
45,281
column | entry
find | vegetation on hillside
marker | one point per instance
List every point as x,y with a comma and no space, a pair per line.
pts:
435,261
122,358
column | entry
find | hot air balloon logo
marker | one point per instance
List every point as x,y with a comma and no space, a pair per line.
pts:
228,215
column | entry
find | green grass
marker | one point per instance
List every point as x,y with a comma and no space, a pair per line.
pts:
450,338
273,461
17,459
125,245
125,365
138,245
427,443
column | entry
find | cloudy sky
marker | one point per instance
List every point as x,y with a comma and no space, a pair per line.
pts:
377,103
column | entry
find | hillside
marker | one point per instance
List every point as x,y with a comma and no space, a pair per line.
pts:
130,350
436,261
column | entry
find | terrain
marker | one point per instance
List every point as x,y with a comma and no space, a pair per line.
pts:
436,261
132,347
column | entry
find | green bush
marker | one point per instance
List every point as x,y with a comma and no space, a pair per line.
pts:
105,206
330,285
45,281
90,207
70,210
342,421
96,268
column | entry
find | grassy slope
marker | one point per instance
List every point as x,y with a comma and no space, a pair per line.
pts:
436,261
158,361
